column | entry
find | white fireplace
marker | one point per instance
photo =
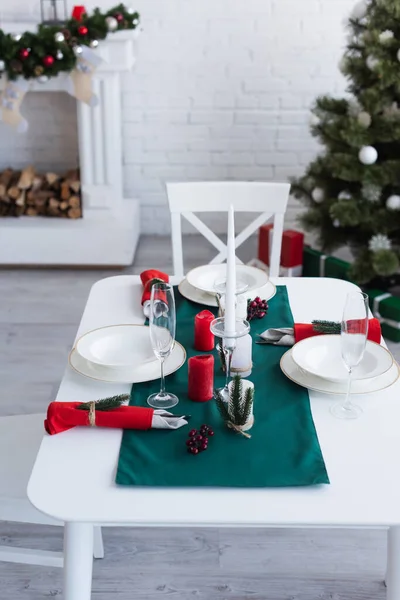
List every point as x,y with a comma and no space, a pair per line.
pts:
108,232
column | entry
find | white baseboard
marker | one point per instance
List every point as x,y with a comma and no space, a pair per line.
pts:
98,239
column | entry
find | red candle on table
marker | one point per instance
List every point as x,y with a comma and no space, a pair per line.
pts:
201,377
203,338
78,12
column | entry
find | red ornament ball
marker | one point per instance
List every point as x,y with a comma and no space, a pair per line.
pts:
24,53
83,30
119,17
48,60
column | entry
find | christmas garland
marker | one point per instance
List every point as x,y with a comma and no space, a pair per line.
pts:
54,49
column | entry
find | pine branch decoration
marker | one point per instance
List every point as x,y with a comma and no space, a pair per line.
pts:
105,403
222,406
247,405
44,43
237,411
329,327
235,402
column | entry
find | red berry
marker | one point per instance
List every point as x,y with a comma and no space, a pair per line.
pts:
192,432
203,447
253,304
261,315
204,426
199,438
194,450
257,299
48,60
211,432
82,30
189,442
24,53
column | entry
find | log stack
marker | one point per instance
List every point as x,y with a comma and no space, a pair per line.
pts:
29,193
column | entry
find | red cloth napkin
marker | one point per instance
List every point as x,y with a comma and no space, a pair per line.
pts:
147,278
305,330
64,415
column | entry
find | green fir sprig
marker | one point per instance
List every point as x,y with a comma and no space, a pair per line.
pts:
331,327
238,410
105,403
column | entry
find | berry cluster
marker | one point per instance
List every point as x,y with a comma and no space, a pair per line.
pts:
198,440
256,308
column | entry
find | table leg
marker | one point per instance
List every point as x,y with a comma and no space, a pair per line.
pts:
98,547
393,564
78,561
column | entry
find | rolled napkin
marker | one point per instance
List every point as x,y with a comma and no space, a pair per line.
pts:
62,416
148,279
288,336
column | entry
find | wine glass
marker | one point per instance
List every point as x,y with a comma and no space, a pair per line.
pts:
353,339
162,322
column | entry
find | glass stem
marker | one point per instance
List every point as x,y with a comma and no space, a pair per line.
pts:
228,352
347,402
162,382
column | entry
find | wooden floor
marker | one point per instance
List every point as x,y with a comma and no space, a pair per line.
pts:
39,314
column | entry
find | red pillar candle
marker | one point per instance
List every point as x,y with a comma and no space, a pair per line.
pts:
78,12
201,377
203,338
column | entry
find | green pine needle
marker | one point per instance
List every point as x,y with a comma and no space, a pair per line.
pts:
222,406
329,327
105,403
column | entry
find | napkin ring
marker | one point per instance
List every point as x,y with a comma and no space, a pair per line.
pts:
92,414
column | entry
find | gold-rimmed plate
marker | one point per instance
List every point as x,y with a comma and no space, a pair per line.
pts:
136,374
317,384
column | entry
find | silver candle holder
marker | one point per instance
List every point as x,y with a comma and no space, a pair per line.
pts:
242,328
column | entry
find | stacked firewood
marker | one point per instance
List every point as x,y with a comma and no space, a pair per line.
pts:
29,193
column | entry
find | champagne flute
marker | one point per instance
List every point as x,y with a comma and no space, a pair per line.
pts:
353,339
162,322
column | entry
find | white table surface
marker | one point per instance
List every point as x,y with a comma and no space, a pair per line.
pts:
73,478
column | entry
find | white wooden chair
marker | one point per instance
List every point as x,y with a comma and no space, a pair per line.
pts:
20,438
269,199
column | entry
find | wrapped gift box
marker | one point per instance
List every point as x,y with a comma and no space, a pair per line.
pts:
386,308
291,253
317,264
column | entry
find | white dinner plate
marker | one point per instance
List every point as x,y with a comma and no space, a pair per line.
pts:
144,372
267,292
204,278
118,346
312,382
321,355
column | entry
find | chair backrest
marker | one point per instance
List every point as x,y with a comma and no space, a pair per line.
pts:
269,199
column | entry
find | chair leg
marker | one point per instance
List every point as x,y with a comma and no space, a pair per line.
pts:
98,547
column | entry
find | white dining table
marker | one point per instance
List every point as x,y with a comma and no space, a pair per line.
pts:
73,478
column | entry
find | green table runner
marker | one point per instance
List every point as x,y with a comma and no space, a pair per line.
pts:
283,449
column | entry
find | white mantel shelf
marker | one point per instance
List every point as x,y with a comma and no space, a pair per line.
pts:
108,233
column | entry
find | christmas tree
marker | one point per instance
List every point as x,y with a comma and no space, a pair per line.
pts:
352,189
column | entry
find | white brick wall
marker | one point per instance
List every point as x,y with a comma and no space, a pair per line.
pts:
222,90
